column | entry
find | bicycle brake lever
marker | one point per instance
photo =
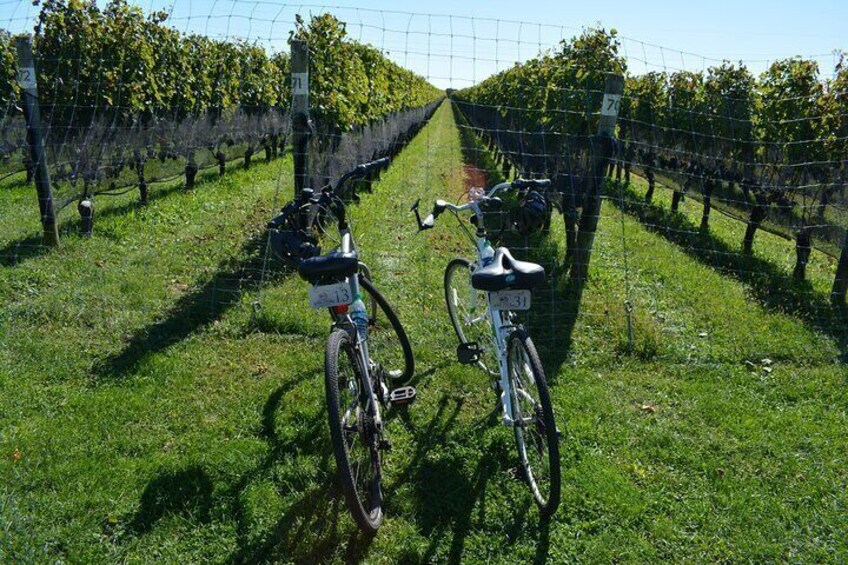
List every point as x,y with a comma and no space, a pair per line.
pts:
428,222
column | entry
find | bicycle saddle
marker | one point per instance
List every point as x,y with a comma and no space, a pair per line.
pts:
507,272
331,267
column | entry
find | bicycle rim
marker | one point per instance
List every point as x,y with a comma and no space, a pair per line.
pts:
468,309
535,429
352,432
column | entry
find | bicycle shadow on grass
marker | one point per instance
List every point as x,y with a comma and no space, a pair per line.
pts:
450,498
769,285
309,530
452,502
193,311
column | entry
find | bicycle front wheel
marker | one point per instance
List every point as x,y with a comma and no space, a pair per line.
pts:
468,309
353,432
533,416
388,345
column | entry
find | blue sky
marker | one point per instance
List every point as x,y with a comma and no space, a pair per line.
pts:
459,43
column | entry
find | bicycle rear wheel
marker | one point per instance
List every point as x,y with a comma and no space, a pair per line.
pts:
388,345
353,432
468,309
533,416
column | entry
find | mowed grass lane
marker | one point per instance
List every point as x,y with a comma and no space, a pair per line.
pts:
159,406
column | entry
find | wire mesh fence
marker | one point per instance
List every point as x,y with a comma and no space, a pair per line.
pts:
741,166
692,321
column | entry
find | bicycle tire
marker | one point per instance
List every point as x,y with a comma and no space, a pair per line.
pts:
519,340
398,365
364,501
483,333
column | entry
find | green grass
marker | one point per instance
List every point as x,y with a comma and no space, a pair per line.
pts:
777,249
160,404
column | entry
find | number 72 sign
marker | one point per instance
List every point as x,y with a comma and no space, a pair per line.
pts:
26,78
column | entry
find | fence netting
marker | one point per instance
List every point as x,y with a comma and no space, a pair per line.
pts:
739,166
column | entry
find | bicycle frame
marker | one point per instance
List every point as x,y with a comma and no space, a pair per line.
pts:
500,321
502,326
343,320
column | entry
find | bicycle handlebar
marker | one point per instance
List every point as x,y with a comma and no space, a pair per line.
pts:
531,183
304,205
440,205
360,171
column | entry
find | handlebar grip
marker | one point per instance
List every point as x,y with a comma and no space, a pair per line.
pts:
378,163
365,168
531,183
430,220
370,166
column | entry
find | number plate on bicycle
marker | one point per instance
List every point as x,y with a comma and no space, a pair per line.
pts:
511,300
329,295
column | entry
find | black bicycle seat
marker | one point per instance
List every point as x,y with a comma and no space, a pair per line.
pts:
331,267
507,272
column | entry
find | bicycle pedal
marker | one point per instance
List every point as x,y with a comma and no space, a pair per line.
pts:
402,396
468,353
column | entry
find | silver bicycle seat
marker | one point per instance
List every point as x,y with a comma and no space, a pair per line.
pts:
505,271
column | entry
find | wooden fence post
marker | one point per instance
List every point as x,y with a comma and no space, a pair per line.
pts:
840,281
300,113
602,147
29,98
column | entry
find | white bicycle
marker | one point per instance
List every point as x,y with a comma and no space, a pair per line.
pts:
482,297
